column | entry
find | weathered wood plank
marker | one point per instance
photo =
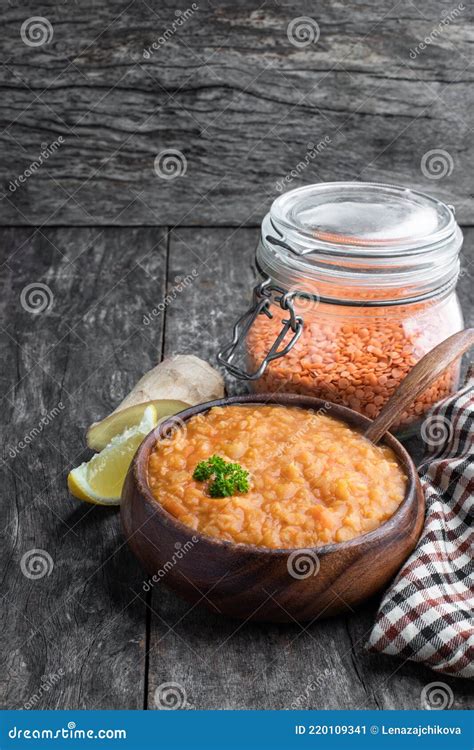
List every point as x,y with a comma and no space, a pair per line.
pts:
465,286
81,626
220,663
85,352
229,90
219,265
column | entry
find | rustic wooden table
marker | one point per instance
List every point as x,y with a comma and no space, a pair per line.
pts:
94,238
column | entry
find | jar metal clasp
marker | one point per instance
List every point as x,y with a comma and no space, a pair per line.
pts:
263,295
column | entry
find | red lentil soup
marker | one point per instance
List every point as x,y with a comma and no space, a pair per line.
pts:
313,479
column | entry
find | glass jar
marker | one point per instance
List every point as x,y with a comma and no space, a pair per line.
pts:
358,283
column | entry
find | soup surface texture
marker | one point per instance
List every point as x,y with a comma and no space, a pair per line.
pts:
313,479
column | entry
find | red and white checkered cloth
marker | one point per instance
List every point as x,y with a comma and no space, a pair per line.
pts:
427,614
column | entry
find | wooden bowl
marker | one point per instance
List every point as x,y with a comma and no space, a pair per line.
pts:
258,583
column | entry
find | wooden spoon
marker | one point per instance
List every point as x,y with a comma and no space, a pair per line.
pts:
423,374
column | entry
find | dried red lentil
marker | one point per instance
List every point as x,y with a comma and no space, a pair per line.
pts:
356,362
383,261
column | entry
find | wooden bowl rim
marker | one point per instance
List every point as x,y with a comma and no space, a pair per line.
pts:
140,465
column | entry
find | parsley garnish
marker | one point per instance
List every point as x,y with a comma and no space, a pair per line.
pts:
226,478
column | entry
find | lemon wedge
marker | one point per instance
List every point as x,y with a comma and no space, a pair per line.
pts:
101,433
101,479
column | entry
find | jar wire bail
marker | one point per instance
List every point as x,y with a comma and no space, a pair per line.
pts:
262,299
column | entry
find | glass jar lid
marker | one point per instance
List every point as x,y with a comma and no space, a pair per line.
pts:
364,215
351,237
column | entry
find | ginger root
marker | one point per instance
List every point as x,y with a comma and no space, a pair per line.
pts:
173,385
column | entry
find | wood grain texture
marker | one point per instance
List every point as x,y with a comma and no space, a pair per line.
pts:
241,101
221,663
87,350
82,623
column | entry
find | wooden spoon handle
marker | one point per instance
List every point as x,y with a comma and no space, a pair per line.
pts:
423,374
